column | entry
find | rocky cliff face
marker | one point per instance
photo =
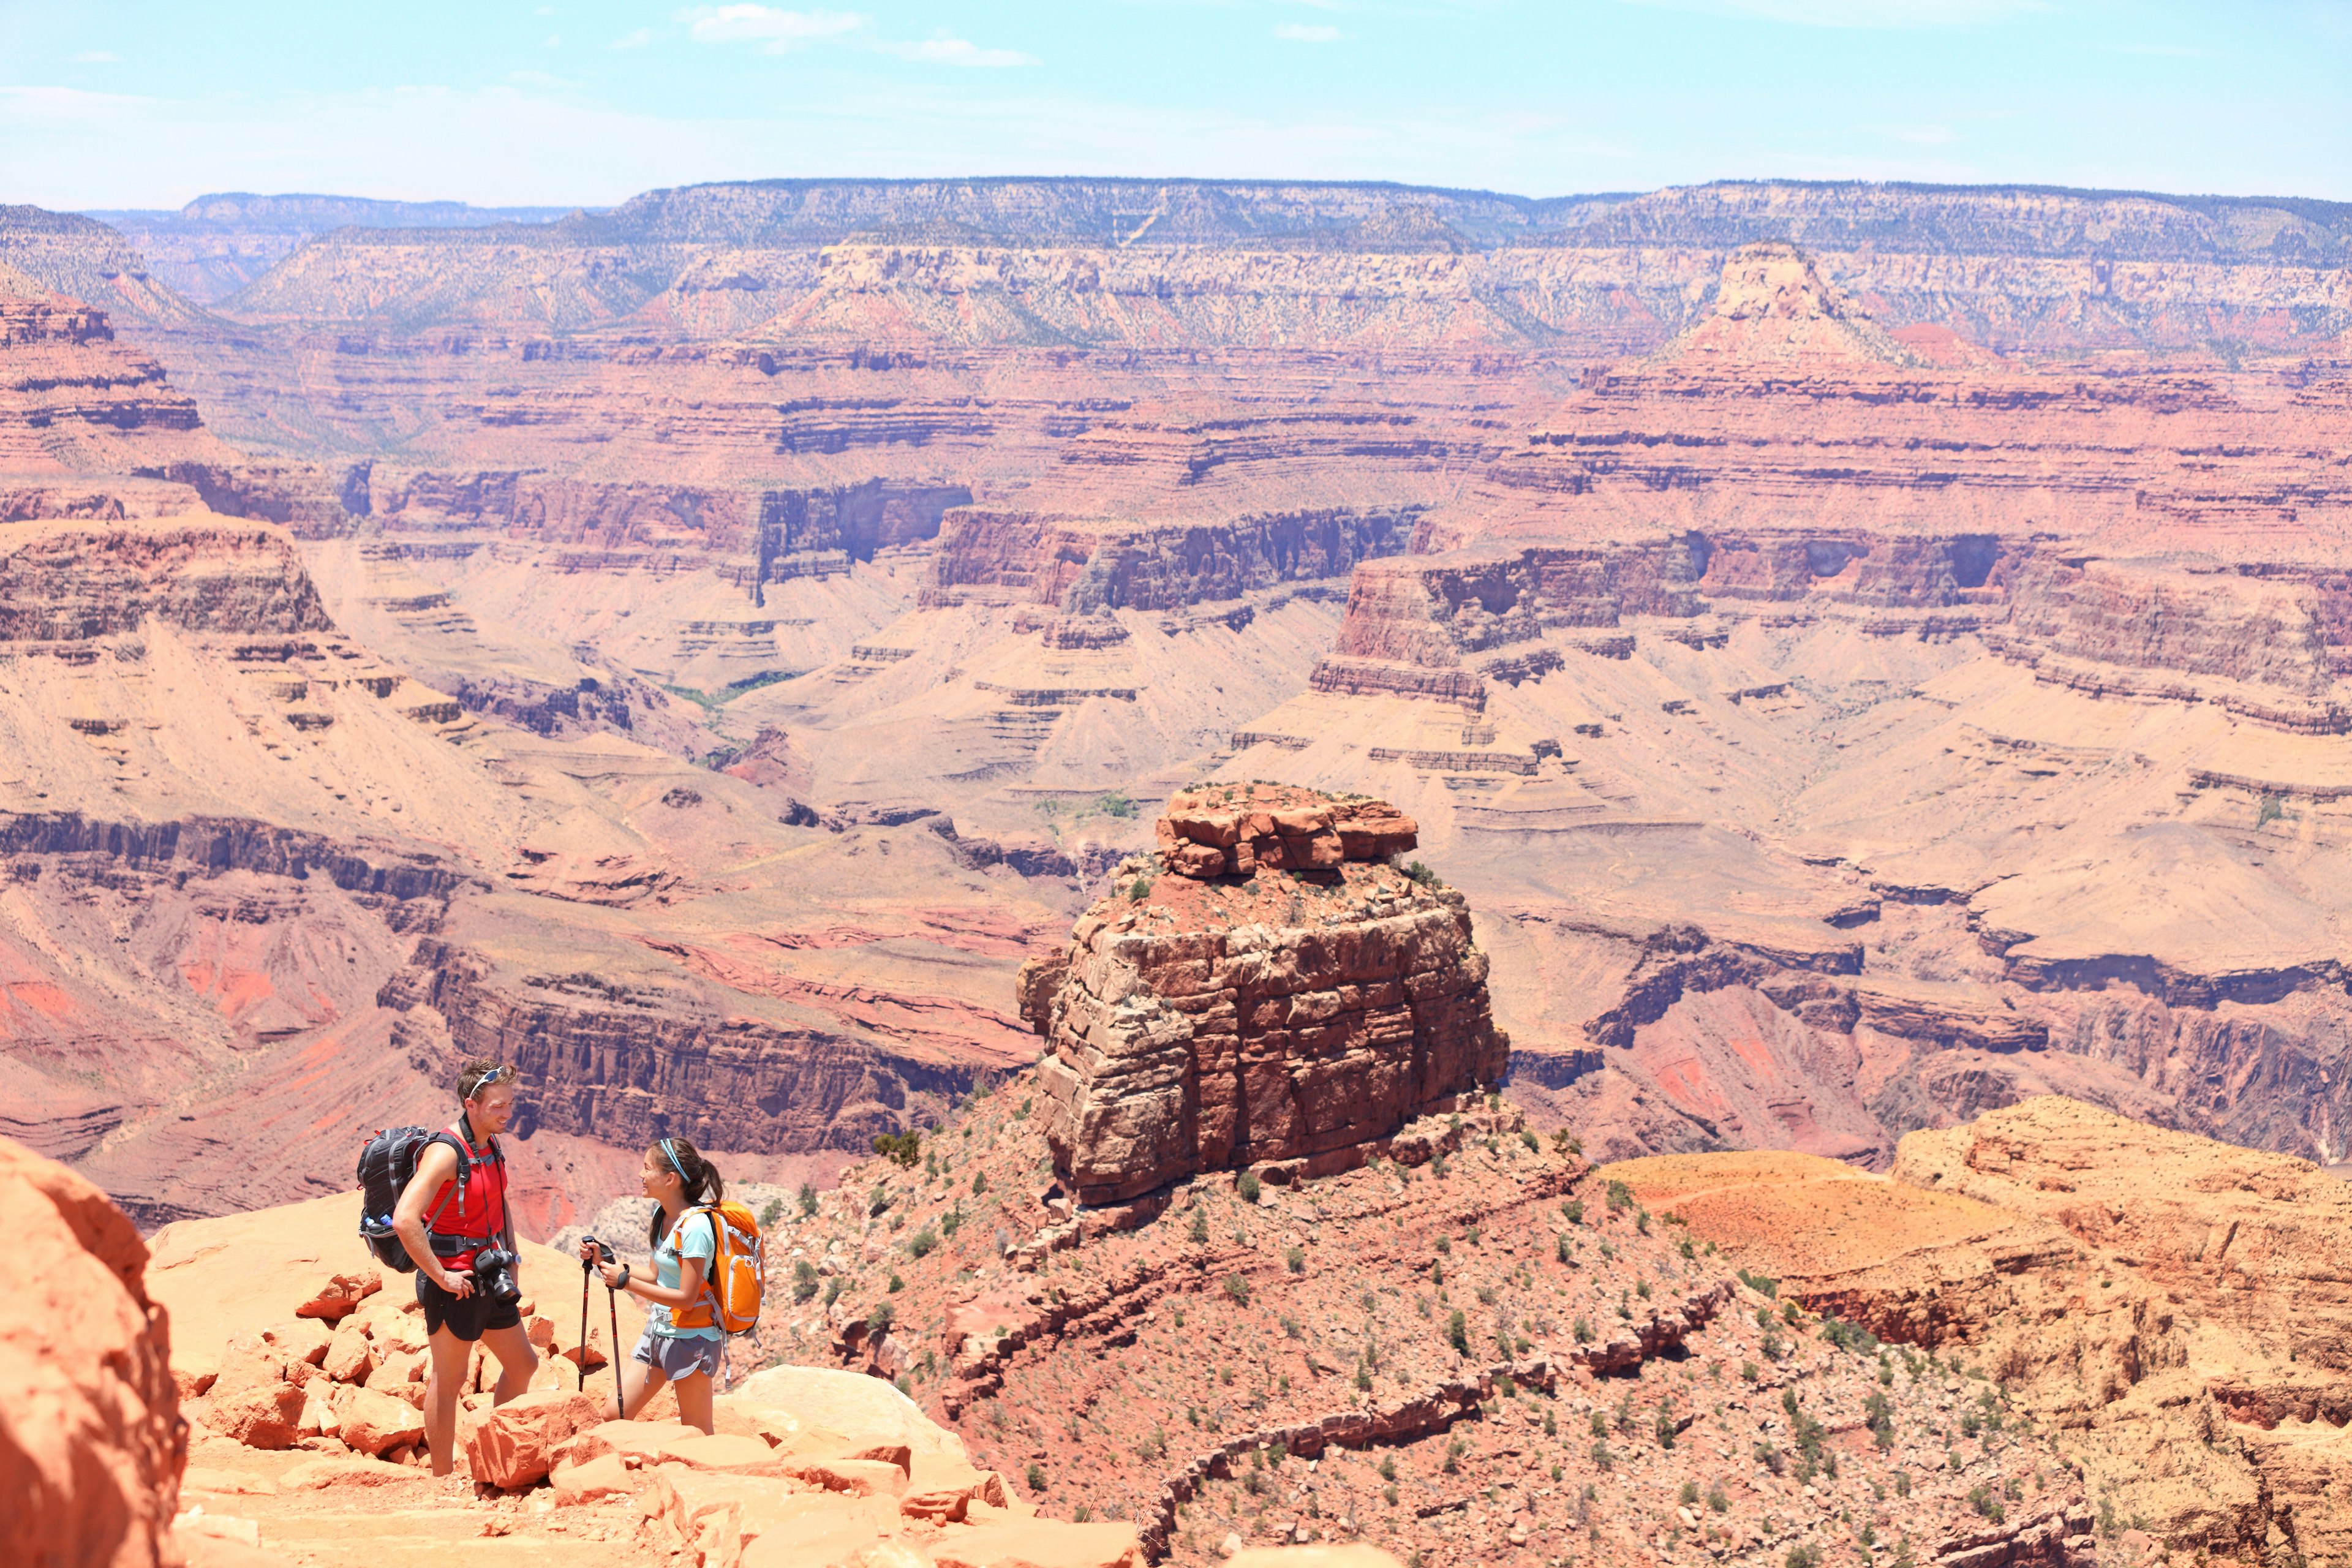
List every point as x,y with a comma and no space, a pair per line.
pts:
90,1468
1085,566
2163,1303
1231,1014
1471,1347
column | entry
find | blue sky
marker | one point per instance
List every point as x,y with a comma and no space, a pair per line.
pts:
107,103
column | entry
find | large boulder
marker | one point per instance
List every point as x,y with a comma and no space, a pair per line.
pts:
516,1443
91,1443
376,1422
258,1415
1041,1543
867,1411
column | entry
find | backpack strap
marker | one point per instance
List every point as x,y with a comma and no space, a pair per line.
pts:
710,1275
465,1173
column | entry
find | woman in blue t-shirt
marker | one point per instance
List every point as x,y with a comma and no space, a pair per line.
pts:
678,1179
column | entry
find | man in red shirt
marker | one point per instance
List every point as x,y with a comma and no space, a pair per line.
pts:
443,1226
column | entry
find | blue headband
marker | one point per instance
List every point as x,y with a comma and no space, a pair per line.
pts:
672,1158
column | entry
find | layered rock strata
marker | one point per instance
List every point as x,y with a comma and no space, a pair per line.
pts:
1196,1025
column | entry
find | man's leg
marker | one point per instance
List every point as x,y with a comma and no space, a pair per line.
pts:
443,1383
517,1360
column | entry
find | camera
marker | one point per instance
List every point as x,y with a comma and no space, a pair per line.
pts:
494,1276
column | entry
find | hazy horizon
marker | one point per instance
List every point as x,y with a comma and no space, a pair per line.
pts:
118,105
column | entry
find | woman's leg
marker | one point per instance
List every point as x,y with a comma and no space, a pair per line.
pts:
517,1360
694,1400
443,1381
639,1384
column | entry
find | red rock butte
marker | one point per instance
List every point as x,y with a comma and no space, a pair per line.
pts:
1211,1012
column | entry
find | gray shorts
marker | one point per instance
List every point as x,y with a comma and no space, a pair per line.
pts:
678,1358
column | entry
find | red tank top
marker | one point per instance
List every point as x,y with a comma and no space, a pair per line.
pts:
479,1211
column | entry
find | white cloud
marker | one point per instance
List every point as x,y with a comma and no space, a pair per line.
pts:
779,30
554,41
1860,13
955,52
637,40
1308,32
96,58
782,31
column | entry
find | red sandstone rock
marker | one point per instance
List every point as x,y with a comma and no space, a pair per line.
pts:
91,1473
1223,1026
1041,1543
377,1424
258,1415
340,1296
515,1444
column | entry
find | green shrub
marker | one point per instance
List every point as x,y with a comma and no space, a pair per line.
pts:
901,1149
1036,1477
1199,1230
808,1198
1248,1187
1238,1290
772,1215
924,1242
1457,1331
804,1280
1803,1557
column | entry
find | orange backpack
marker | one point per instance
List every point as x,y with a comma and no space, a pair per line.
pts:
738,1274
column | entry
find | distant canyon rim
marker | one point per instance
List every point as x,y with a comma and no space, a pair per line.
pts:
1864,654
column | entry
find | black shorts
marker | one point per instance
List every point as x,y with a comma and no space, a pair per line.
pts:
465,1317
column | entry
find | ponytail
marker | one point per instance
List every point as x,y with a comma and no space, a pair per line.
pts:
704,1185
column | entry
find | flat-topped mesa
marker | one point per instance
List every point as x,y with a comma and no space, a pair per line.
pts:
1243,829
1228,1016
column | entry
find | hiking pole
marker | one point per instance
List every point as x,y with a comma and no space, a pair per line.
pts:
583,1322
613,1305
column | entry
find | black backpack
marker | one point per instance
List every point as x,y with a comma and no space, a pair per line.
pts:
387,1165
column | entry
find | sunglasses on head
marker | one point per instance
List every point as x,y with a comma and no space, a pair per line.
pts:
496,1075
